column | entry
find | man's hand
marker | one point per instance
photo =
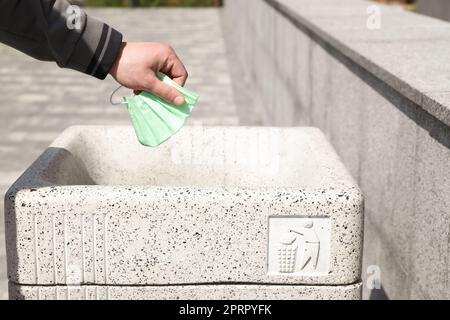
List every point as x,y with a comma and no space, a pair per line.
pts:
137,64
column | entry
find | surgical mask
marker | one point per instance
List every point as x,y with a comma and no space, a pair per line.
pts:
154,120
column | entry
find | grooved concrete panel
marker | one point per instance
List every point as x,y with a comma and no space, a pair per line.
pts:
213,205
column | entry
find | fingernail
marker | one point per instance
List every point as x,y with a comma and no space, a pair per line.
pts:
179,101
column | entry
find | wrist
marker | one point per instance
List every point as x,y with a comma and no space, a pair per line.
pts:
115,66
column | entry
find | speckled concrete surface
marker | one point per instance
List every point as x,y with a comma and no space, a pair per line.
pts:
216,292
98,208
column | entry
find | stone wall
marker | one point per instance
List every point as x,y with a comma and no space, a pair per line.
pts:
434,8
382,97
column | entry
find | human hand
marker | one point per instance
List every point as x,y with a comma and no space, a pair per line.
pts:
137,64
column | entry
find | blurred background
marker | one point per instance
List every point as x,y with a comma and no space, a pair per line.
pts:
409,3
149,3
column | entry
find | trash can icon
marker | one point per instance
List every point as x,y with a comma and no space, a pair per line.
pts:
287,254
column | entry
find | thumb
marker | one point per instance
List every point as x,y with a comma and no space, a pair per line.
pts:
165,92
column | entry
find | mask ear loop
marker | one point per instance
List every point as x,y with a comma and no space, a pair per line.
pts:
111,97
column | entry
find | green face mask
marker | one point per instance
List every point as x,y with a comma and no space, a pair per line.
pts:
155,120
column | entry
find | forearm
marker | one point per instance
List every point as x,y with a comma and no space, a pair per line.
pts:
50,30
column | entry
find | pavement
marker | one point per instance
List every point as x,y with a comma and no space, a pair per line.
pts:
38,100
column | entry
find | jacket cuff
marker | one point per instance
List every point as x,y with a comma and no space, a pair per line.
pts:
96,50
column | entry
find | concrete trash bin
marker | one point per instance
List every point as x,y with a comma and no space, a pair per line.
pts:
215,213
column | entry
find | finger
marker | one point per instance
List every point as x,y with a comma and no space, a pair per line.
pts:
176,70
165,92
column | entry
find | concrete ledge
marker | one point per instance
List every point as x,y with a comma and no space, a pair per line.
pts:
410,52
212,292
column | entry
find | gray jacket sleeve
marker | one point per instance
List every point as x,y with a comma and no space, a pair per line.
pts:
52,30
